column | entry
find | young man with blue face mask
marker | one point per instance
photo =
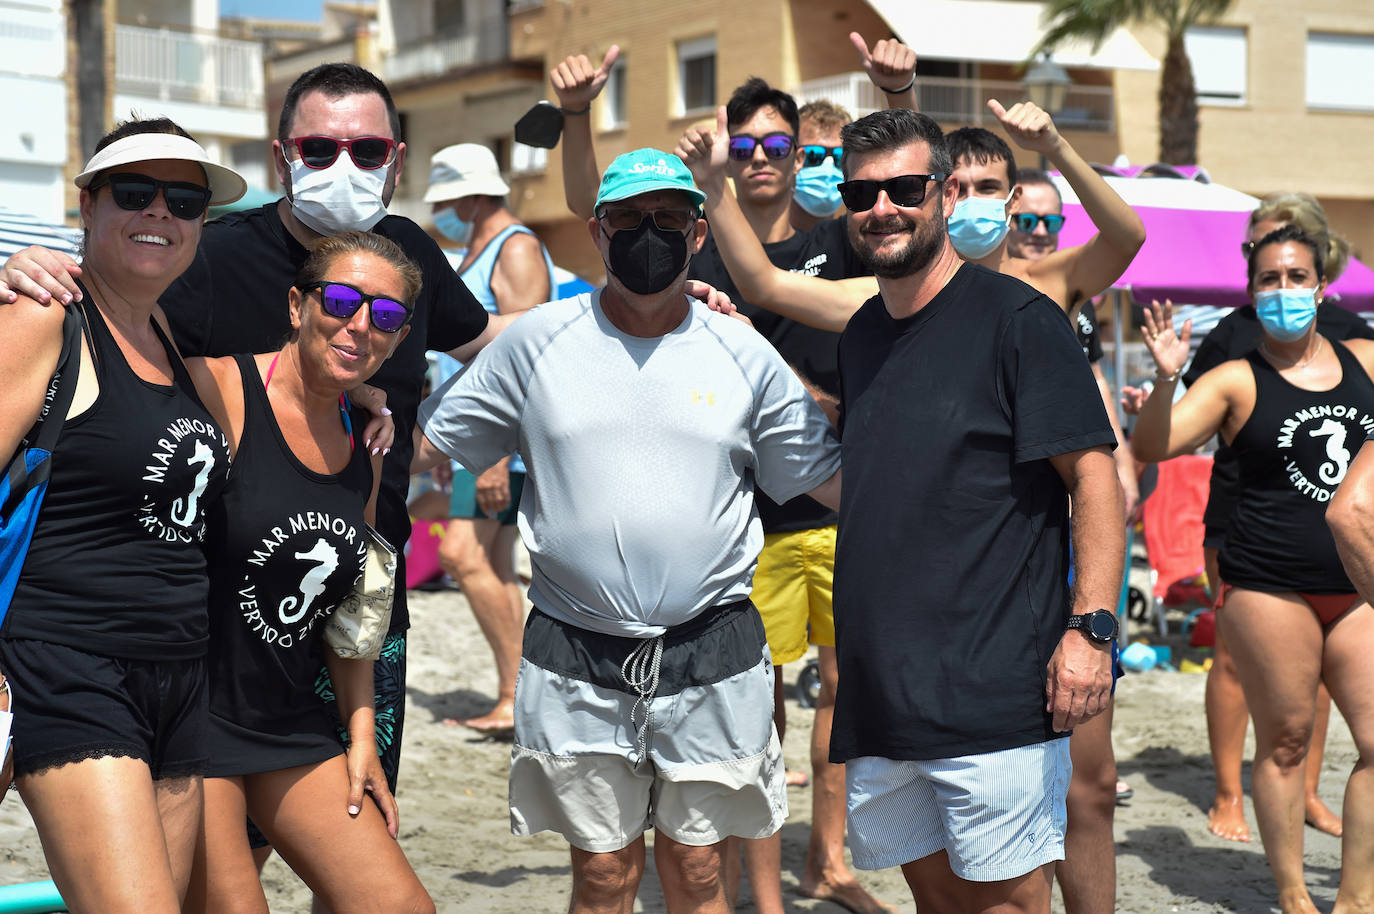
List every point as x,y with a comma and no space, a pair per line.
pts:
509,271
817,193
985,172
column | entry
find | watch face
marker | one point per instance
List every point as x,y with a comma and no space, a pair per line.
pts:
1102,625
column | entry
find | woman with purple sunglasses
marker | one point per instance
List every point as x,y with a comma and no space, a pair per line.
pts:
286,543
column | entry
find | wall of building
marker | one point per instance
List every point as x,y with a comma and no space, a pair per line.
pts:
1272,141
33,146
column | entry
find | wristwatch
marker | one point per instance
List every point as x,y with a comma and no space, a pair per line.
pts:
1099,625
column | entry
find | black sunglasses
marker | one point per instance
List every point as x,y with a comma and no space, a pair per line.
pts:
342,300
136,192
1247,248
627,219
775,145
814,155
903,190
1026,222
368,152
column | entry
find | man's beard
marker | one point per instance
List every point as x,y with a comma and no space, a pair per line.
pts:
927,238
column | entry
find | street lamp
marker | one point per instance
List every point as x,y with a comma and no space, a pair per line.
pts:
1046,83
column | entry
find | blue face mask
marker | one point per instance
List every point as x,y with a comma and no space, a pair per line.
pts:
818,189
451,227
978,226
1286,314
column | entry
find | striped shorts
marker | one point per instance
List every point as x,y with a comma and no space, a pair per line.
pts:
616,735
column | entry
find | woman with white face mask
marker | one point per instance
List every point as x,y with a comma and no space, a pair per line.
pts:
1294,411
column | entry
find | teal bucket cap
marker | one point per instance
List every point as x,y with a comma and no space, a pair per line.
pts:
643,171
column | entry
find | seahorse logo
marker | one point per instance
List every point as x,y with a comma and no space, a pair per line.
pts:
1333,471
326,559
206,458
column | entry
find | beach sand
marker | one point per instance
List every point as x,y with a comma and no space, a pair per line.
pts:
455,825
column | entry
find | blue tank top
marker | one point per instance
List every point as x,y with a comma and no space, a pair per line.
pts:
116,564
478,280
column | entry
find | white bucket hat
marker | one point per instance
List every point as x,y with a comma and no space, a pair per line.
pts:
462,171
226,185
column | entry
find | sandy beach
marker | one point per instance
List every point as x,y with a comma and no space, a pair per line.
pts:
455,826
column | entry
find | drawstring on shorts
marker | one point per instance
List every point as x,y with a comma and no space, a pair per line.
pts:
640,672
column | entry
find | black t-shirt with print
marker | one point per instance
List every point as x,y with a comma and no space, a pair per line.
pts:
823,251
1088,332
951,568
232,299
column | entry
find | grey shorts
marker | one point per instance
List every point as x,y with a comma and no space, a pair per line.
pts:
693,755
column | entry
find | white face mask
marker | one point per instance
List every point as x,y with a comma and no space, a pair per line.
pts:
337,199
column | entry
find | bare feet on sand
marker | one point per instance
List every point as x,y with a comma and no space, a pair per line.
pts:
1296,901
846,893
499,721
1226,819
1320,817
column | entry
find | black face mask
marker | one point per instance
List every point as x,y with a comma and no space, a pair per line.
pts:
647,259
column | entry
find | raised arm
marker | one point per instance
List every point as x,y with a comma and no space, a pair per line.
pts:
1165,429
577,82
892,67
1094,266
823,303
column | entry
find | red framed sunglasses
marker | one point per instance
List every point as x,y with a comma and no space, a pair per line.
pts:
368,152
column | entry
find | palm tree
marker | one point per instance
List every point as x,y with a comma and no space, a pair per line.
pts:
1094,20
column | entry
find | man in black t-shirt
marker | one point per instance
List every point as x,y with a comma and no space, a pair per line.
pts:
968,420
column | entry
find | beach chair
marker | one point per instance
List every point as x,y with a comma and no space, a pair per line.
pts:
1172,521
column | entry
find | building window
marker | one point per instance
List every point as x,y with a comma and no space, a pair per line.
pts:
696,75
1338,71
1218,58
448,17
526,159
614,111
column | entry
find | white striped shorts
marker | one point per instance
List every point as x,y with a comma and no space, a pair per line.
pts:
998,815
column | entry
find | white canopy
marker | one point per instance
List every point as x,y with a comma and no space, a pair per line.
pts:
1000,31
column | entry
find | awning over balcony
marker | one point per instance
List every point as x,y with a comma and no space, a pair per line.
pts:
1000,31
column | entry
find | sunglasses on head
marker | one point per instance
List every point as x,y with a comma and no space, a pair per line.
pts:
626,219
136,192
813,155
339,299
903,190
775,145
1026,222
368,152
1247,248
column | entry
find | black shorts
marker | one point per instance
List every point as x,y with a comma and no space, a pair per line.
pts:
70,705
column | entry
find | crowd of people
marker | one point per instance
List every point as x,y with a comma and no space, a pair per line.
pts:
851,401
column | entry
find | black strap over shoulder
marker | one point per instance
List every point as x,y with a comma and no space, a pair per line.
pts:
57,402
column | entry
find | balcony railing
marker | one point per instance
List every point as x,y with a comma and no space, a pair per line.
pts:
964,101
182,66
484,41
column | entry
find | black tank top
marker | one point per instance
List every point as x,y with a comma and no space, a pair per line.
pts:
285,545
115,566
1293,452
